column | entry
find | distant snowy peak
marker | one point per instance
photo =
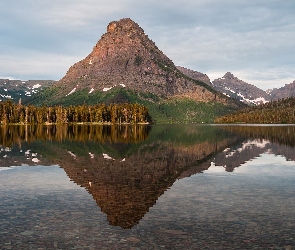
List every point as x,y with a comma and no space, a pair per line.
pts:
16,89
233,87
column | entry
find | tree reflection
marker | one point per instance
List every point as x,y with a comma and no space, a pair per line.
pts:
127,168
11,135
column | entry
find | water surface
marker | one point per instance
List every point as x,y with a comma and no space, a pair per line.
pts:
147,187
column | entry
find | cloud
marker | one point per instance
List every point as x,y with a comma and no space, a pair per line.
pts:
249,38
36,66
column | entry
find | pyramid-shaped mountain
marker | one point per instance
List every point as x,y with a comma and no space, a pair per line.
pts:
126,66
126,57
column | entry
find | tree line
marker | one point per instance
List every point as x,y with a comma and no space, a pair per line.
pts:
273,112
13,113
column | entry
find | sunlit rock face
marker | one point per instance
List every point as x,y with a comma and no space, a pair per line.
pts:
126,57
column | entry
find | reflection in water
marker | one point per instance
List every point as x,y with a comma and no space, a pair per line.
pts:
283,135
278,140
126,180
112,134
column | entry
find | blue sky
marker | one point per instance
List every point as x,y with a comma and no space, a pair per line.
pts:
252,39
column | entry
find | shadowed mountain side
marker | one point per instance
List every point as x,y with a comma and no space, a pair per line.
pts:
125,189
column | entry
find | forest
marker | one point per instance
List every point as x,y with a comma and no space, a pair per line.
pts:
274,112
16,113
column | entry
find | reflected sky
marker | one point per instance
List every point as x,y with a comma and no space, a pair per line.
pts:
265,164
176,194
35,178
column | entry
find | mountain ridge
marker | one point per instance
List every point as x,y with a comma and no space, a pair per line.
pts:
125,65
233,87
126,57
16,89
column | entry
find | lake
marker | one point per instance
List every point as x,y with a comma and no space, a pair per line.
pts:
147,187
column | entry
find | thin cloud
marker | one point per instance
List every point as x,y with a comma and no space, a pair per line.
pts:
248,38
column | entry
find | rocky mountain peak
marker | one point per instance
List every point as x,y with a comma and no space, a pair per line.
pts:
229,75
126,57
233,87
124,25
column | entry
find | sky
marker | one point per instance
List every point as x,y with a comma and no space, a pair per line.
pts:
254,40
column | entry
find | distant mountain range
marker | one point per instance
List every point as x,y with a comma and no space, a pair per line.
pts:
244,92
126,66
247,93
229,85
16,89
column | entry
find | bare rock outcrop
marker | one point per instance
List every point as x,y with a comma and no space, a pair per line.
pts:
126,57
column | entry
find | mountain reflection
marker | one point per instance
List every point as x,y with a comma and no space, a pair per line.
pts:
127,168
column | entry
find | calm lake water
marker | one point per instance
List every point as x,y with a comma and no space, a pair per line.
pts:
147,187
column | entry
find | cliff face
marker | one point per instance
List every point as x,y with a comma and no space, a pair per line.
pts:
126,57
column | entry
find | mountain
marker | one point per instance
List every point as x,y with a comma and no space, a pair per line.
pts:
248,93
274,112
16,89
126,57
284,92
195,75
233,87
126,66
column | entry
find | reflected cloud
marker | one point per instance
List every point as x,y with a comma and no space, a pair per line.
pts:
267,164
126,178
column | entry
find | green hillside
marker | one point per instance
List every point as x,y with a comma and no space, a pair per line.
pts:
274,112
162,110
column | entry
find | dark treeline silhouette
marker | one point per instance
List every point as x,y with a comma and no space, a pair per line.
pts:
13,113
274,112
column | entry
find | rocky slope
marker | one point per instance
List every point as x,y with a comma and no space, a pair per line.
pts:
248,93
16,89
195,75
233,87
125,57
284,92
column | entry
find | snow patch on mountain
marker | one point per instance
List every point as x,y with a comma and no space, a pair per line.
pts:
72,91
109,88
